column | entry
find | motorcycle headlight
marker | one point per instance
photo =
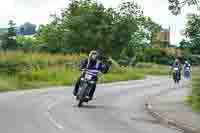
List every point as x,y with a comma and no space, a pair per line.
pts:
88,76
175,69
92,82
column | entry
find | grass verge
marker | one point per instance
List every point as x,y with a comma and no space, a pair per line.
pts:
194,98
61,76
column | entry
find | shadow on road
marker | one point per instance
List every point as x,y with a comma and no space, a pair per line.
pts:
91,106
87,106
145,120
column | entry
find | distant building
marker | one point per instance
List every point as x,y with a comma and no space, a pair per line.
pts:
18,31
161,39
2,32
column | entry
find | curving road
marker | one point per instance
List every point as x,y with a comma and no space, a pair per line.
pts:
117,108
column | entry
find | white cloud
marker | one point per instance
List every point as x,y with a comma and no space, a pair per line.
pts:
33,3
38,11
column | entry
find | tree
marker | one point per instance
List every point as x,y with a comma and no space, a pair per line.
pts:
89,25
192,31
9,39
86,25
175,6
83,26
184,44
128,24
141,38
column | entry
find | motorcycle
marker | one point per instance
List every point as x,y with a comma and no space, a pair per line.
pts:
176,75
187,72
86,83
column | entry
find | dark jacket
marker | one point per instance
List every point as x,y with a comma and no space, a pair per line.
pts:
177,65
94,65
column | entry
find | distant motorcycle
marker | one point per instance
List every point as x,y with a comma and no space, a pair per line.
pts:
87,81
176,75
187,72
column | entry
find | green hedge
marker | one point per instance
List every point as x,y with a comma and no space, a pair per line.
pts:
157,55
194,60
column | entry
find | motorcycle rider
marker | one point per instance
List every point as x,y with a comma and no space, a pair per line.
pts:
91,63
186,66
177,64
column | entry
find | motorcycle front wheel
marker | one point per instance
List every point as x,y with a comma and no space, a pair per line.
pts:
82,94
80,103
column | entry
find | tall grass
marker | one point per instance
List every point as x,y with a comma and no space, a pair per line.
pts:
152,69
7,83
12,62
47,77
20,70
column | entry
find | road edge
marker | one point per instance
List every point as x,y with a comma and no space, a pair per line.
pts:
172,123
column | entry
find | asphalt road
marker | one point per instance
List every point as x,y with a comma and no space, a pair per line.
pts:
116,108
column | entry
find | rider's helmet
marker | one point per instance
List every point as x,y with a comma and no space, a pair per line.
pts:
177,61
186,62
93,55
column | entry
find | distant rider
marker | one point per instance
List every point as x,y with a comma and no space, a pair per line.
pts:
187,65
177,64
187,69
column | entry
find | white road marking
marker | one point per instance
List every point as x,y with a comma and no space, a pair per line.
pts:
50,117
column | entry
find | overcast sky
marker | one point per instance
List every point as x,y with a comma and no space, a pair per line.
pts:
29,10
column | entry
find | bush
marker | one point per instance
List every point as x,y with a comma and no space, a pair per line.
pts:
140,57
152,69
158,55
194,60
127,75
145,65
124,61
7,83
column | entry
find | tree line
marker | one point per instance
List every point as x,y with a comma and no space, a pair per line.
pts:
85,25
123,33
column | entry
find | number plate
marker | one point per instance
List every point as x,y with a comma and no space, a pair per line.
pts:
187,68
88,77
175,69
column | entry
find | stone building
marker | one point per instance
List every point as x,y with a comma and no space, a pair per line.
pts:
161,39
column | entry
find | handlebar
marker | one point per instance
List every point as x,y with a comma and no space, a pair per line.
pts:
91,71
